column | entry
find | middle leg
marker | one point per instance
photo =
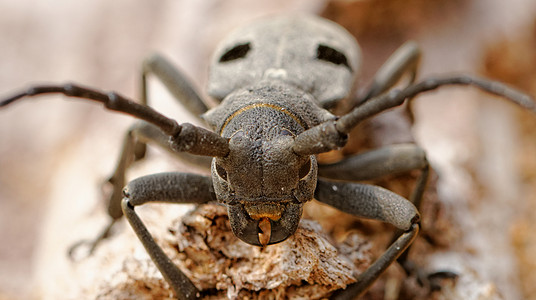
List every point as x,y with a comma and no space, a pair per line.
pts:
139,134
389,160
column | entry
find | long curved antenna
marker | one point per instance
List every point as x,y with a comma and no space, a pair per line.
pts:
185,137
378,104
333,134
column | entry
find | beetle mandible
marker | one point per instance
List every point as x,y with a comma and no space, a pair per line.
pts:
277,81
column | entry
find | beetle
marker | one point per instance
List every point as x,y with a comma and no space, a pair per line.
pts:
278,81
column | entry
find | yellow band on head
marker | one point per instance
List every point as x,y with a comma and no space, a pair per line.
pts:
261,105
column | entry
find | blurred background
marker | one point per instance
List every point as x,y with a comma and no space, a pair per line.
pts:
54,153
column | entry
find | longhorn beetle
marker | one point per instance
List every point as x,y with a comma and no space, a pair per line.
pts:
277,81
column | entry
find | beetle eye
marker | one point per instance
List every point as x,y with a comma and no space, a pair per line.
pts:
237,52
221,172
331,55
305,169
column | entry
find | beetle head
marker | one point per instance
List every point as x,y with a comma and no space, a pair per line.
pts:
263,182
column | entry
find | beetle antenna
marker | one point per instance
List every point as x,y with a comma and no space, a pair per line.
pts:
331,135
397,97
185,137
111,100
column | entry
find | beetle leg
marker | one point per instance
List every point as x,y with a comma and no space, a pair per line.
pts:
404,60
140,133
392,159
175,82
170,188
368,201
377,203
105,233
389,160
367,278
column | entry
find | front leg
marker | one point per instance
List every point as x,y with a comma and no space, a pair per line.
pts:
367,278
171,188
377,203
